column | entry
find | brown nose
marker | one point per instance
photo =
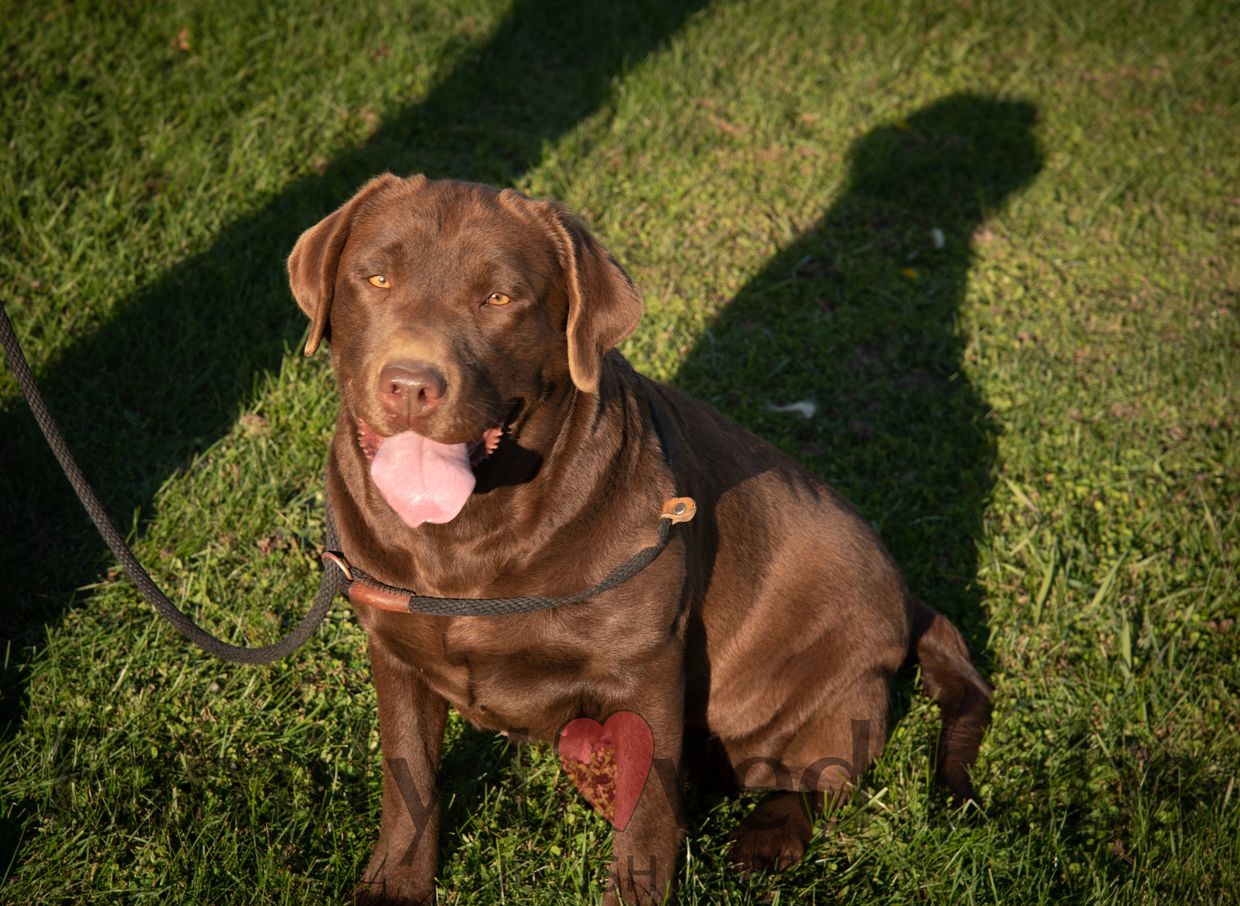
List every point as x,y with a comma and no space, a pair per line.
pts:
408,390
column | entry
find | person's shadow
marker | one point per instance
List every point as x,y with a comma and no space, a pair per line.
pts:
861,317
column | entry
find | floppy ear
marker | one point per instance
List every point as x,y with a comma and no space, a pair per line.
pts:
604,305
312,264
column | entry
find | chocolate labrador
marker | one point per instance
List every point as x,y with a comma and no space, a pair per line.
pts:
492,443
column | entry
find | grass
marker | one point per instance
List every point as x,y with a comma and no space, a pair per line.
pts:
1040,415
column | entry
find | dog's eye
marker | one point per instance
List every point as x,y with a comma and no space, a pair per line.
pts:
379,280
498,299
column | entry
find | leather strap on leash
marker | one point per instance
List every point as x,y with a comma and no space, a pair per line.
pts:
360,587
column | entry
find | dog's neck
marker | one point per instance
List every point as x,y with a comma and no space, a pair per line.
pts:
556,426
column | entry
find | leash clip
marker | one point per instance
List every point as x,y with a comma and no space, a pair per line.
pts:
339,562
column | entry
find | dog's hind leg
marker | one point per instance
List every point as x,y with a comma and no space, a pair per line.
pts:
817,770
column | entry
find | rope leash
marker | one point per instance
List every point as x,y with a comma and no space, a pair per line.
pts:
329,586
359,587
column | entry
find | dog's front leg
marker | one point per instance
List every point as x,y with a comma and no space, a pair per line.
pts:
411,724
646,850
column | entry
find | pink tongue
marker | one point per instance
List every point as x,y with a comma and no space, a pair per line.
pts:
423,481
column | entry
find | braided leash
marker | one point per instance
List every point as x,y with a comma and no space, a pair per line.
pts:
329,587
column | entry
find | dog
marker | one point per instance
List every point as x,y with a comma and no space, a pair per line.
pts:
491,442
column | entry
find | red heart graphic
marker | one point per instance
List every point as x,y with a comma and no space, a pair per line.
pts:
608,762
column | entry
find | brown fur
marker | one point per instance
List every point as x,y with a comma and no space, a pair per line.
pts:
771,626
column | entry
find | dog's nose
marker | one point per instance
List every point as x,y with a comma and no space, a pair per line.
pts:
408,390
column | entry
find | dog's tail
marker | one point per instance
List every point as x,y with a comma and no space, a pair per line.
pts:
962,696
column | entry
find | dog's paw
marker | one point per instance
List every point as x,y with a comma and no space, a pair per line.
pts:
773,836
379,893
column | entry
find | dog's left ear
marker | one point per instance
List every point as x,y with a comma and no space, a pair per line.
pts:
312,264
604,305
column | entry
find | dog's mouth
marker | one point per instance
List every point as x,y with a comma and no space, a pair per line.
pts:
421,479
478,449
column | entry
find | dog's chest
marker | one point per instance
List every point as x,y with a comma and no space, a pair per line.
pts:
509,674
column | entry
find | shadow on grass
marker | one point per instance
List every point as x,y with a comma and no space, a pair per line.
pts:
860,315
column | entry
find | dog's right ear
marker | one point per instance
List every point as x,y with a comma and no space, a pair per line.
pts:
312,264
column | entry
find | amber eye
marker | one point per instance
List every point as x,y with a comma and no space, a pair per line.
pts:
498,299
379,280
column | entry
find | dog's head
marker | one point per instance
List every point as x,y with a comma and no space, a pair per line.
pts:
450,305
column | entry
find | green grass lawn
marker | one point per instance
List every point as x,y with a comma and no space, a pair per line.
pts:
1039,412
